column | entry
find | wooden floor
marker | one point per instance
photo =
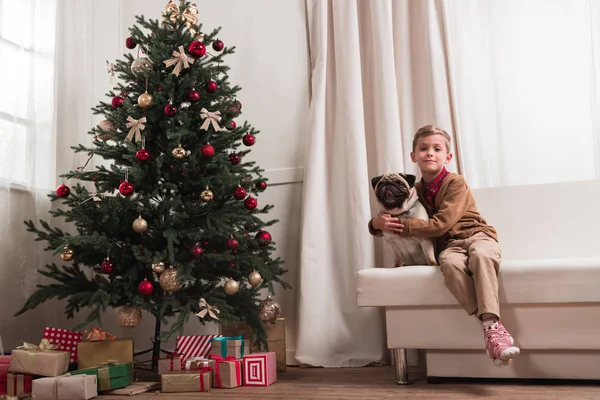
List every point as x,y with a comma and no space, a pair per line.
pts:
378,383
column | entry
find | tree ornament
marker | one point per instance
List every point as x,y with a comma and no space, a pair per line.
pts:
136,127
206,308
142,155
129,317
158,267
210,118
193,96
231,286
179,152
218,45
207,151
235,107
130,43
66,254
249,139
211,86
109,129
107,266
262,185
126,188
117,101
250,203
269,310
180,60
145,100
141,67
170,110
63,191
235,159
197,49
264,238
239,193
145,287
254,278
139,225
231,125
196,251
168,280
206,195
232,244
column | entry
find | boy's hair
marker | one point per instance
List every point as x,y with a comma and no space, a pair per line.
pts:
429,130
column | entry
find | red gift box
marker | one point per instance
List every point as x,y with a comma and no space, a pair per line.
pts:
18,384
194,346
4,364
67,340
260,369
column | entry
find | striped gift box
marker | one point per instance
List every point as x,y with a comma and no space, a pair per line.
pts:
194,346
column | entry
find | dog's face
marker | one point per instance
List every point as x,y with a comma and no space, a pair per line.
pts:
393,190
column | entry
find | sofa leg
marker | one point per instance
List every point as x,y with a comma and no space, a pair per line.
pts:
400,366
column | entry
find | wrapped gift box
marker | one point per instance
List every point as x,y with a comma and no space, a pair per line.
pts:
18,384
40,362
172,363
260,369
81,387
227,346
67,340
186,381
275,338
194,346
116,376
196,363
227,373
4,364
134,388
92,354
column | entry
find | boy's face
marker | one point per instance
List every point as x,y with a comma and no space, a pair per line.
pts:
431,154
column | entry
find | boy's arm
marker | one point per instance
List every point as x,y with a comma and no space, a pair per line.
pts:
452,208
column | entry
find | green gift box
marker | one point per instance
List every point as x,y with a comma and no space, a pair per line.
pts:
110,376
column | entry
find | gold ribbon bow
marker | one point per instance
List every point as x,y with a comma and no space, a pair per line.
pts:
137,126
206,308
188,16
45,345
180,59
97,335
210,118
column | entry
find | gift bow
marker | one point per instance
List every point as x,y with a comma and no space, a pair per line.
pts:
189,15
98,335
210,117
238,372
136,125
224,339
180,59
45,345
221,359
206,308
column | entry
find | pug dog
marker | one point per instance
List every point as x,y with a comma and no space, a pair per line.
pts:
397,196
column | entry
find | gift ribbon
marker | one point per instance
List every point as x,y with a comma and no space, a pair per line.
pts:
136,125
210,117
238,370
180,60
45,345
172,356
201,375
97,334
224,340
104,373
189,15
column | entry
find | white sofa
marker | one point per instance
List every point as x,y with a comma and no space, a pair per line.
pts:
549,297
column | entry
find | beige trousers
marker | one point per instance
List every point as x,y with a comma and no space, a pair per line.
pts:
470,267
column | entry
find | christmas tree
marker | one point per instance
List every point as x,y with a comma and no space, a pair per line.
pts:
172,226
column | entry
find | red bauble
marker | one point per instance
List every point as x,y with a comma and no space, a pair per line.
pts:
170,110
207,151
196,251
235,106
117,102
239,193
197,49
264,238
63,191
218,45
211,86
234,158
262,185
232,244
130,43
126,188
250,203
142,155
107,266
248,139
193,96
231,125
145,288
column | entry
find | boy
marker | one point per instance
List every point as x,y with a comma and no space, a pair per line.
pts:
469,253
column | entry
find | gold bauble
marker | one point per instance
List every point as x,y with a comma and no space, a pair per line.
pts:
254,278
129,317
66,254
206,195
139,224
179,152
269,310
145,100
168,280
231,286
141,66
158,267
105,125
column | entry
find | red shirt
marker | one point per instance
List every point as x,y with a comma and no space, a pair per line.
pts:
430,190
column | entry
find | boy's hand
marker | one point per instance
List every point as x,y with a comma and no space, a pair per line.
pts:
387,223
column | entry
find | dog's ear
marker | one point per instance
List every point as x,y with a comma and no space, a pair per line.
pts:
410,179
375,180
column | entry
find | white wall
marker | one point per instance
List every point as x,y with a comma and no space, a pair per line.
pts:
271,66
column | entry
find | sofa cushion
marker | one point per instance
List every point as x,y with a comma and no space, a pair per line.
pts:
567,280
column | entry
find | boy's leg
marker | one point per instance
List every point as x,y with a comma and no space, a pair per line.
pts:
453,263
